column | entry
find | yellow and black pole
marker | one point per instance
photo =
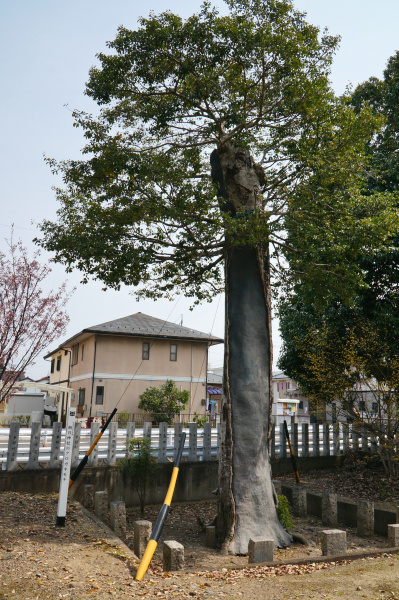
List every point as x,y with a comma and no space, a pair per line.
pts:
163,513
84,460
293,460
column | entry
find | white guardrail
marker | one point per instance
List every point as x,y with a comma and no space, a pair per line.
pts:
43,447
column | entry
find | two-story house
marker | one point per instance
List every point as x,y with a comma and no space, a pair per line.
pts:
113,363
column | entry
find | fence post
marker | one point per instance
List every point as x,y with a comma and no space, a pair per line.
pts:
273,442
345,437
283,442
163,442
316,439
192,442
294,437
147,430
13,446
33,461
336,441
326,439
305,439
130,431
176,441
365,439
207,444
355,440
76,444
55,445
112,435
94,431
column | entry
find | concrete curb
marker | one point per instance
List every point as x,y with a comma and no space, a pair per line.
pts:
109,533
318,559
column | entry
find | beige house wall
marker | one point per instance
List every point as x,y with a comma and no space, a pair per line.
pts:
118,366
60,377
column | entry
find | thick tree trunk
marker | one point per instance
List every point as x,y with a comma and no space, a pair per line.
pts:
246,504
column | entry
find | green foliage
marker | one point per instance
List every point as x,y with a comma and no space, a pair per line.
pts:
284,513
123,418
200,419
23,420
141,467
164,402
142,208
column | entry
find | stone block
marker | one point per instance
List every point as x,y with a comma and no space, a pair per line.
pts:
329,510
101,505
118,518
210,533
88,496
173,556
393,536
299,501
260,550
142,532
365,518
333,541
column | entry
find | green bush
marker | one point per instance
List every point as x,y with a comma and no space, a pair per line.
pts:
141,466
23,420
164,402
284,514
200,419
123,419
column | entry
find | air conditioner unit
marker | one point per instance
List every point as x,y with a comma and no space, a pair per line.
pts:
100,413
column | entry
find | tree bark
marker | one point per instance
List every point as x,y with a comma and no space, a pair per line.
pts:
246,505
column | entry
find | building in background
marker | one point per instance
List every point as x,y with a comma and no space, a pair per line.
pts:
113,363
288,400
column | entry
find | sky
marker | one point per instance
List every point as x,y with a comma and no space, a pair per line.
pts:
47,49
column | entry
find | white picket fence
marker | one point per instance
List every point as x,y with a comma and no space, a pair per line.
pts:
40,447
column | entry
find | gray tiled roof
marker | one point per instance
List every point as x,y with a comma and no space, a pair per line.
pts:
143,325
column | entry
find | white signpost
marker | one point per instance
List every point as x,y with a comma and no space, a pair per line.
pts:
66,467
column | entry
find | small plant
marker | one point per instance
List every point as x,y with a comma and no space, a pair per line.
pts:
284,514
123,419
23,420
200,419
140,466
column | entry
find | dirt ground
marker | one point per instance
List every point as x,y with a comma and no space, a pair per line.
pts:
39,561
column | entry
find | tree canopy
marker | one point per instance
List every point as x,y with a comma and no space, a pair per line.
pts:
375,305
30,318
142,209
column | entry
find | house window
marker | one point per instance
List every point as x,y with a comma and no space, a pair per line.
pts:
75,354
287,385
83,351
300,405
362,405
100,394
58,363
146,351
278,386
65,352
374,407
52,365
173,352
81,396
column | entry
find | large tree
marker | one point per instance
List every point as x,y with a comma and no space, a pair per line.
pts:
213,134
376,303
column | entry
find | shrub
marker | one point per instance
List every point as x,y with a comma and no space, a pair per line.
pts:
123,419
141,467
284,514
